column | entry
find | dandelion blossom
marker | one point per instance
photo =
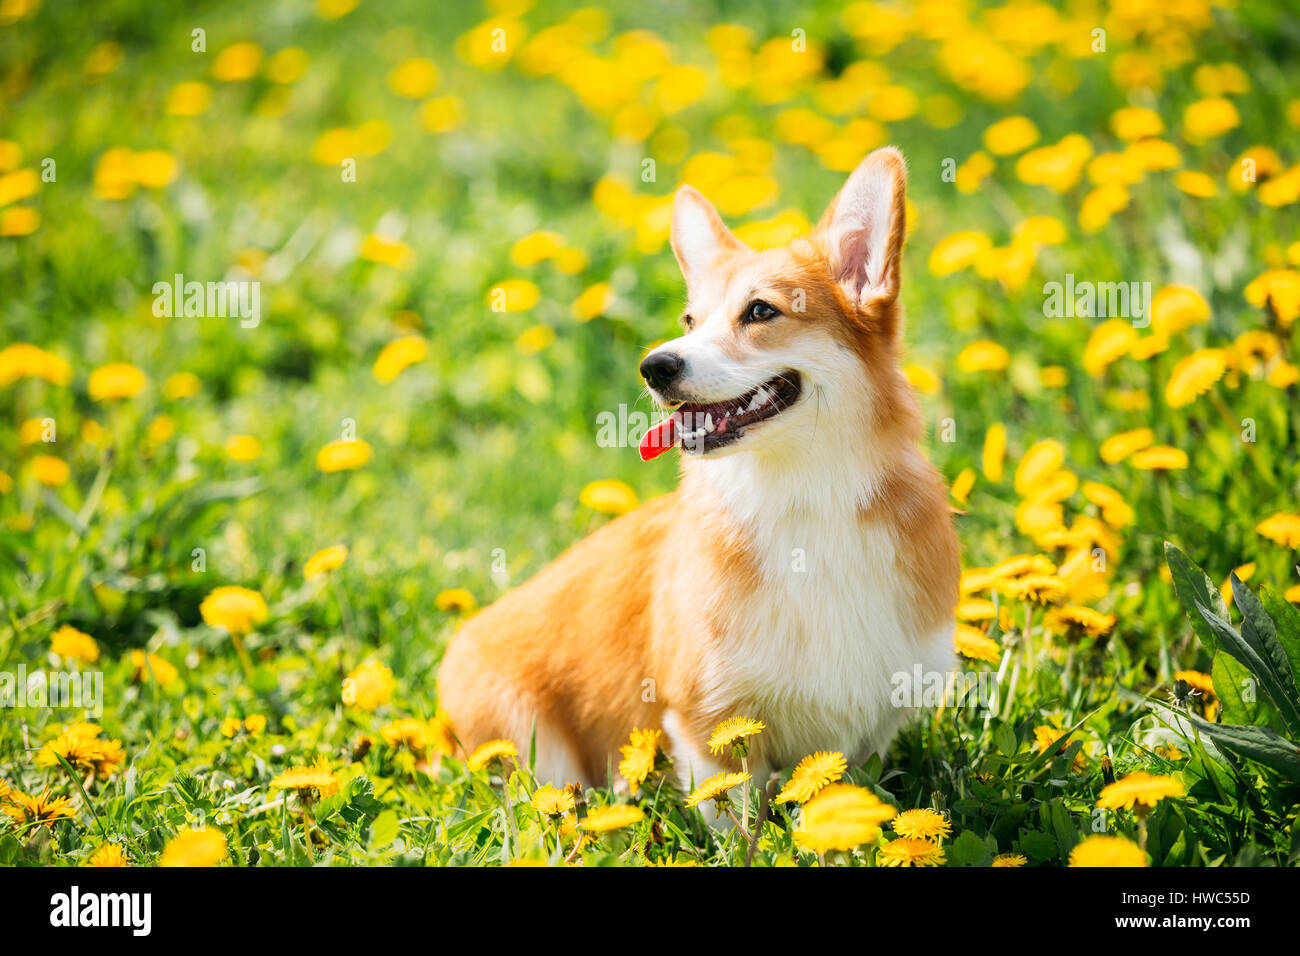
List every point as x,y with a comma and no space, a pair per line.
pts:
733,733
233,609
639,757
491,752
716,788
910,851
607,819
841,817
1110,851
1139,788
325,561
811,775
923,824
201,846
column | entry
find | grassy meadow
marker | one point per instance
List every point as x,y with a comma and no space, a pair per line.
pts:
254,524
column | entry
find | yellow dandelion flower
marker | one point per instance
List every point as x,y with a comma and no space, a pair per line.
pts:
1194,375
181,385
1196,184
1008,859
456,601
1120,446
733,734
983,356
1279,289
973,643
397,356
1282,528
1038,464
1109,851
609,496
552,802
234,609
44,810
50,471
190,98
608,819
594,301
316,778
1208,118
1011,135
811,775
841,817
201,846
492,751
639,756
1160,458
120,380
922,824
407,732
324,561
369,686
243,447
1074,620
108,855
72,644
1131,123
513,295
237,62
1037,588
909,851
958,251
344,455
414,78
151,666
1201,682
716,788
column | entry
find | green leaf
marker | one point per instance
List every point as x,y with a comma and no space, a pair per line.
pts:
1039,846
1286,617
967,850
1257,628
1229,677
1005,739
1193,586
1257,743
1283,695
384,830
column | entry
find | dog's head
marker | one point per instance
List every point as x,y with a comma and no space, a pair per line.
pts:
781,344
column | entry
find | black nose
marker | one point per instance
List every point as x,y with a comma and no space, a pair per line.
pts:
661,369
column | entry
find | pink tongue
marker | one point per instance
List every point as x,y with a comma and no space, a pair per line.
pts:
659,439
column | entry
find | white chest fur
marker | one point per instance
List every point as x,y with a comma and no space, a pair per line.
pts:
816,649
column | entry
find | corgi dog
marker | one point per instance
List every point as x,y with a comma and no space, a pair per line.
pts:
807,559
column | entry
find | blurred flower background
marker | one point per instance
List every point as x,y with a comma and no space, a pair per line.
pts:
262,529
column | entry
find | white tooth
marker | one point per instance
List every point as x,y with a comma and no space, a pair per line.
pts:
708,423
754,402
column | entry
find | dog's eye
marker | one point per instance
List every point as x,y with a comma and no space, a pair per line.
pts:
688,322
760,311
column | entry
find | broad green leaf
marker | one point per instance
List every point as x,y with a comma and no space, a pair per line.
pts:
967,850
384,830
1230,677
1257,743
1286,618
1258,628
1193,586
1243,651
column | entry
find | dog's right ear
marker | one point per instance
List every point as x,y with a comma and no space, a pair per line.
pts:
700,237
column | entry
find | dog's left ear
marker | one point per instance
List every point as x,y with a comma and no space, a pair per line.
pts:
864,227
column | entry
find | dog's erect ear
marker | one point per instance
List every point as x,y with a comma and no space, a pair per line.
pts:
700,237
864,227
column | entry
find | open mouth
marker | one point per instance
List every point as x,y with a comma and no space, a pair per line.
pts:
700,428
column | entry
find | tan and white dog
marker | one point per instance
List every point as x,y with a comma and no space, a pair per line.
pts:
808,556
